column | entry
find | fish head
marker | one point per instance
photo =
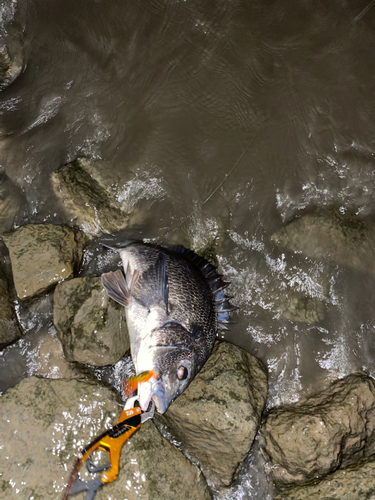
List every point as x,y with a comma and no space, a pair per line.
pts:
176,358
173,378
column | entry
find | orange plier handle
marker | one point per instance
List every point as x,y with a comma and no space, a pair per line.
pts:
110,441
113,440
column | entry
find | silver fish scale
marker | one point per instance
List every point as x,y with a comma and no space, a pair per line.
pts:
190,296
190,301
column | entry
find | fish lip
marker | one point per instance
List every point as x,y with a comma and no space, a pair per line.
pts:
153,389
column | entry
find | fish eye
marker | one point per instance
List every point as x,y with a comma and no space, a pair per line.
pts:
182,372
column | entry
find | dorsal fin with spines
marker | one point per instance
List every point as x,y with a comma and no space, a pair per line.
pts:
214,279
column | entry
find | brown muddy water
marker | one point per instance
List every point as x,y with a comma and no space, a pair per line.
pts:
172,93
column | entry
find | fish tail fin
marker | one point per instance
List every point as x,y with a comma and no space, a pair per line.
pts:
117,288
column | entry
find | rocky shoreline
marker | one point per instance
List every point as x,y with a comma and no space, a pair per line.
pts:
322,445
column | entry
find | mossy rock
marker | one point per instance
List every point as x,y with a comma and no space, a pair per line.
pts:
218,415
317,435
356,482
85,195
91,327
42,255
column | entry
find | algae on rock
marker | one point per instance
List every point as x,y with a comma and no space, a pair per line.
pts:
356,482
218,415
91,327
317,435
42,255
44,423
85,195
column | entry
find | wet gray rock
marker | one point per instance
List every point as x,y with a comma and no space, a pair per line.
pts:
11,201
286,288
285,299
86,195
48,358
45,422
34,316
42,255
356,482
302,308
346,239
91,327
11,41
11,61
217,417
316,436
9,327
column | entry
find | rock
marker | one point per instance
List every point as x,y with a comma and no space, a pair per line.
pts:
42,255
316,436
286,287
34,316
11,41
49,360
9,328
102,172
11,61
218,415
302,308
51,420
357,482
91,327
11,201
85,194
38,354
346,239
284,297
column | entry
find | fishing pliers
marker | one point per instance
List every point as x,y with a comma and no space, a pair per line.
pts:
111,441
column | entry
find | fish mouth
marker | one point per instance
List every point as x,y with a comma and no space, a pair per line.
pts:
152,390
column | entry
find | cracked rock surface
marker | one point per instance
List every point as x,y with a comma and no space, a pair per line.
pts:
318,435
218,415
356,482
42,255
83,190
91,326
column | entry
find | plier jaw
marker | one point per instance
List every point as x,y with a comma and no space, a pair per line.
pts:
111,441
145,415
92,487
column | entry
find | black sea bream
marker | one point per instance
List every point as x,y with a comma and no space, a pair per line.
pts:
175,304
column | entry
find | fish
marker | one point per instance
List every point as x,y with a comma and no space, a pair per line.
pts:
175,305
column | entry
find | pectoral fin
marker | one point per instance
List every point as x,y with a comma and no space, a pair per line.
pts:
117,288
